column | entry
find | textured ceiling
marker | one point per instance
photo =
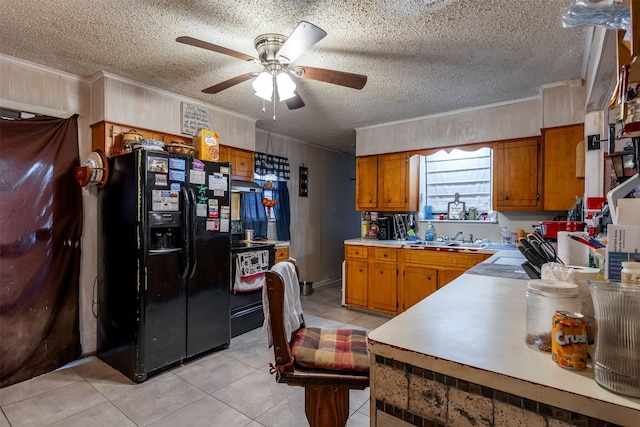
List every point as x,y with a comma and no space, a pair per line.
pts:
421,56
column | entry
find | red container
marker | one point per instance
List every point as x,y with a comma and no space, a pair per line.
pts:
549,229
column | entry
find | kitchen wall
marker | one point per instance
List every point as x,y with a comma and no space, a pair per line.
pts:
322,221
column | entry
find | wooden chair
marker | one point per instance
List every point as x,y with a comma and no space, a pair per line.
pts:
326,389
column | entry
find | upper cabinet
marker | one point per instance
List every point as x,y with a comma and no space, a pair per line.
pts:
387,182
517,171
366,182
563,161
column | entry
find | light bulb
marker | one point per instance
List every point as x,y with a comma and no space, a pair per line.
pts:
286,86
263,85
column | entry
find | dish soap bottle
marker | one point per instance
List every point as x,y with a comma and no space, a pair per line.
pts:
430,234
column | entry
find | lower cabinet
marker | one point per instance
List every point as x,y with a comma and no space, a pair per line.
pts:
383,280
391,280
417,283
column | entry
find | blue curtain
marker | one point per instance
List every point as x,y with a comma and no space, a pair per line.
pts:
282,211
253,214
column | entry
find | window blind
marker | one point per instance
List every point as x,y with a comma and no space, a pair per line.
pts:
467,173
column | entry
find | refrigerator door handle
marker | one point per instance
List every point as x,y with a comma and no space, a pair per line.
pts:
186,233
192,220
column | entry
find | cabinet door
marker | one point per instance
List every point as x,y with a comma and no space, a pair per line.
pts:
366,182
449,275
282,254
356,283
516,172
383,282
392,181
561,186
242,163
417,284
225,154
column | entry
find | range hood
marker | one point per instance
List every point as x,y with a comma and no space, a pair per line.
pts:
245,187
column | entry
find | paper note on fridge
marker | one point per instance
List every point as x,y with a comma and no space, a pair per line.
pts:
217,181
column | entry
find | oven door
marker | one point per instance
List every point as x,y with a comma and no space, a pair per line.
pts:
246,307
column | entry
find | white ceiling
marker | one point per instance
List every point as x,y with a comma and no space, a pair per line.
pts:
421,56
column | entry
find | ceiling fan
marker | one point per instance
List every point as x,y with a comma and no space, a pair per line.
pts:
275,54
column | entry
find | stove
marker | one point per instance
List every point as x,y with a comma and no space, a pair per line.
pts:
246,307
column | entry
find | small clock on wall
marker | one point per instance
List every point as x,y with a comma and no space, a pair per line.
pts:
304,181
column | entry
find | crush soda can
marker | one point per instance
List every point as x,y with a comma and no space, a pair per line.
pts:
569,340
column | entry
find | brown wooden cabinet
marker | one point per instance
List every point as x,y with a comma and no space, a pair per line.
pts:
391,280
107,136
398,182
416,283
357,276
383,280
242,164
366,182
388,182
561,185
282,254
517,170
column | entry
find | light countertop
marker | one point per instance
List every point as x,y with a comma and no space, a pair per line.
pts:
276,243
408,244
474,329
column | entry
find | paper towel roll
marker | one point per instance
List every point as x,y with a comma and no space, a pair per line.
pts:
570,251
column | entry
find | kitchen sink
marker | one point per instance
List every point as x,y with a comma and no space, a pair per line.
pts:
457,245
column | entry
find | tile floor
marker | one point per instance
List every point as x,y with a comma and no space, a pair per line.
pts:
228,388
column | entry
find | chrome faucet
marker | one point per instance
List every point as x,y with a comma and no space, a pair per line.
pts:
454,238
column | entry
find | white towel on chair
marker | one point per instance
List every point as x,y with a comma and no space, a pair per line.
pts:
292,305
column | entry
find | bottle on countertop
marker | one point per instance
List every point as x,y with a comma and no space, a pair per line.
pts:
430,233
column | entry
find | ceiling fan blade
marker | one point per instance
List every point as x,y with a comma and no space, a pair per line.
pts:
228,83
342,78
214,47
295,102
301,39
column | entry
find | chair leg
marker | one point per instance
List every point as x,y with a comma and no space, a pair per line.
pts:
326,405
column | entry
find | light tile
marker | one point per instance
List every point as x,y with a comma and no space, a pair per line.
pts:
358,420
212,374
107,380
254,394
38,385
257,354
156,398
369,322
102,415
205,412
54,405
358,398
247,338
288,413
3,421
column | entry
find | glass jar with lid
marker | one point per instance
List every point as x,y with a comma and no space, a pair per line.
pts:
630,274
544,298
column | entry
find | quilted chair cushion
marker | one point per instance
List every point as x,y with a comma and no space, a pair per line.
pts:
335,349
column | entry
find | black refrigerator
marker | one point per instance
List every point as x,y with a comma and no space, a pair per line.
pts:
164,270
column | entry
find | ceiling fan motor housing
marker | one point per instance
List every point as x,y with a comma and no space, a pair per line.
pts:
268,46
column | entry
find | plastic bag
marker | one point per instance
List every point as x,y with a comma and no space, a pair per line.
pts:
583,13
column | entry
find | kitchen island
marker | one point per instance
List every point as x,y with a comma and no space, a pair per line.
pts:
459,358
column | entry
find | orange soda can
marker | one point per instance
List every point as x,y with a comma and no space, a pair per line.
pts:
569,340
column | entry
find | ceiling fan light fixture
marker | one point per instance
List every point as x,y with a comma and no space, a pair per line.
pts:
286,86
263,85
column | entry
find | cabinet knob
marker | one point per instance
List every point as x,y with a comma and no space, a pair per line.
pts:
384,255
388,200
360,270
429,278
241,163
506,197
